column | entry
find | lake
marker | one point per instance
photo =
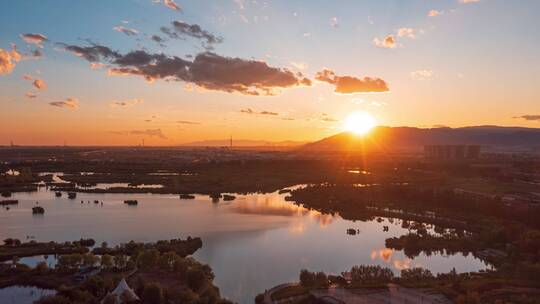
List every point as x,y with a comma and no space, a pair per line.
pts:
252,243
23,294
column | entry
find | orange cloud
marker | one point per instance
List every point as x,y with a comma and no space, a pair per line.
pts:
406,32
125,103
8,60
422,74
149,132
529,117
434,13
69,103
40,84
125,30
351,84
389,42
30,95
250,111
36,39
170,4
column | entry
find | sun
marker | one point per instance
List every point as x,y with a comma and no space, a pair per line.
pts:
359,123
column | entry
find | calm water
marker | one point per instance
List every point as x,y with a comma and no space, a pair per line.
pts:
252,243
23,294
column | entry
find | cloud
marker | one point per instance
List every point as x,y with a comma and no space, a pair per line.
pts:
158,40
468,1
186,122
250,111
149,132
334,22
422,74
8,60
351,84
125,103
268,113
125,30
30,95
171,4
406,32
299,65
39,84
326,118
36,39
96,65
389,42
435,13
36,54
529,117
180,30
93,53
249,77
69,103
207,70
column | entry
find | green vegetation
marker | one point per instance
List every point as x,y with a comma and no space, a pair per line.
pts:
160,273
313,280
14,248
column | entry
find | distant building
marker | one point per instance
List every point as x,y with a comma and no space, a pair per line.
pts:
452,152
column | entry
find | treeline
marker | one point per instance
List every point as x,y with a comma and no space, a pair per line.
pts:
349,200
181,247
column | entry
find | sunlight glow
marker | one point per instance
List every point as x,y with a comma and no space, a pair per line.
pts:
359,123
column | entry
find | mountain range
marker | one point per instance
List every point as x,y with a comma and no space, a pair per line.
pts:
408,138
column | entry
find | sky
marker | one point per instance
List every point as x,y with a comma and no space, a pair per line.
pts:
172,72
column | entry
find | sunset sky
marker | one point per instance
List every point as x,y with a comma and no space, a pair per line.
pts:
171,72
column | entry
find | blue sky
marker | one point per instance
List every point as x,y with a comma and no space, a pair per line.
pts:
472,64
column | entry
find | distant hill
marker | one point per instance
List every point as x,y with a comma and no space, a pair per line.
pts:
244,143
407,139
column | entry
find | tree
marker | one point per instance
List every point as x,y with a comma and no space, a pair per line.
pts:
307,278
371,275
42,267
180,266
166,260
416,274
75,260
106,261
120,261
95,285
153,294
148,259
12,242
89,259
196,278
311,279
110,299
321,280
183,296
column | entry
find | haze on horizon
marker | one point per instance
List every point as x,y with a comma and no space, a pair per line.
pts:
172,72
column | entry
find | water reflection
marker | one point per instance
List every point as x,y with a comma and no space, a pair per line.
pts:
23,294
252,243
